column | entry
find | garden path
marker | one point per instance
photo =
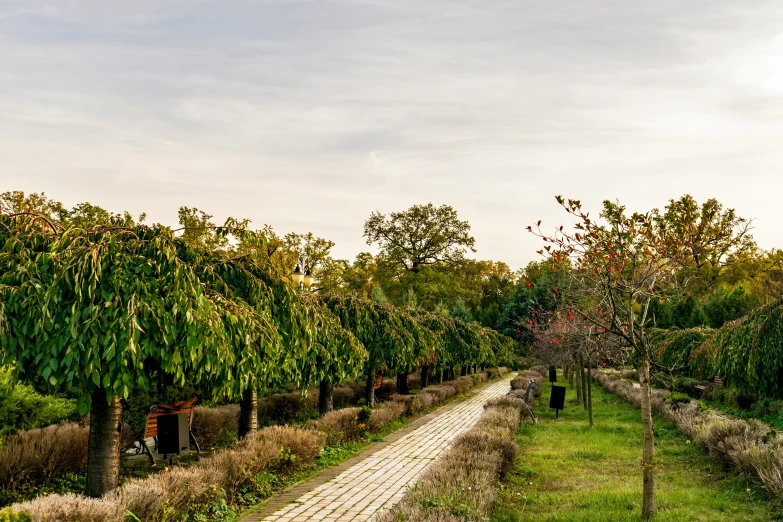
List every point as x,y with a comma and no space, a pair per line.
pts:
378,482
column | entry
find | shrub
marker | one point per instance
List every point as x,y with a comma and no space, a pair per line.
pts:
440,391
347,395
507,401
632,375
298,446
72,508
678,398
180,491
422,401
339,426
282,408
387,389
8,515
214,427
406,401
35,455
23,408
385,415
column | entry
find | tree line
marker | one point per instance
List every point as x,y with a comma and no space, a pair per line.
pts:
103,306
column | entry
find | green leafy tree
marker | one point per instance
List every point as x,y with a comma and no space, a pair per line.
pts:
420,236
378,295
102,311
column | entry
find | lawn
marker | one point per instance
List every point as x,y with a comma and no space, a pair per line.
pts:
569,472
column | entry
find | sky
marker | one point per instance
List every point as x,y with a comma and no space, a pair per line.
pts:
309,115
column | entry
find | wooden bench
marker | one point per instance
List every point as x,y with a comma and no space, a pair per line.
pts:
150,428
717,382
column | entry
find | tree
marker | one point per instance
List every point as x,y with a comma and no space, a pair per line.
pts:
619,266
461,311
101,311
378,295
420,236
712,236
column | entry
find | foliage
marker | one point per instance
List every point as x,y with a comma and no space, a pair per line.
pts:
746,353
22,408
8,515
420,236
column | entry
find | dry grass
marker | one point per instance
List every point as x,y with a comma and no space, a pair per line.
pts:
43,453
72,508
213,426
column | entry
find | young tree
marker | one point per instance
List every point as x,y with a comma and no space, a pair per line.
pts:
619,266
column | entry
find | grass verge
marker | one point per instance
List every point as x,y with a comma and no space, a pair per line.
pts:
570,472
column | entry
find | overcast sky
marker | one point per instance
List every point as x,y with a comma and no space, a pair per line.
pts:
308,115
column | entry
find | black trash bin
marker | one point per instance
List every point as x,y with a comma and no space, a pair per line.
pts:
173,434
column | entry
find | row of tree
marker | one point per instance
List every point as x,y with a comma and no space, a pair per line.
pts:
609,283
107,310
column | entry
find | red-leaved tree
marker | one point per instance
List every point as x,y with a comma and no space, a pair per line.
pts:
619,264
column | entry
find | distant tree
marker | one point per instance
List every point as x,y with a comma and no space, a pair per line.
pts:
460,311
713,236
420,236
199,230
378,296
17,201
410,300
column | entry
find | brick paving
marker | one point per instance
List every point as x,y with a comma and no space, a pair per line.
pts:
377,482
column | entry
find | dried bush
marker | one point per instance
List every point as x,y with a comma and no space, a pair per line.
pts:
339,426
297,446
422,401
181,490
282,408
72,508
215,426
630,374
405,400
441,391
460,385
35,455
347,395
506,401
387,389
385,415
414,381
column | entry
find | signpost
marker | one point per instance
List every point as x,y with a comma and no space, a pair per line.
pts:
557,399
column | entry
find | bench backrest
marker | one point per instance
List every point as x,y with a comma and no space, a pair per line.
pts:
718,381
174,408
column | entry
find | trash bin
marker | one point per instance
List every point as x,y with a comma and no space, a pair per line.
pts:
173,434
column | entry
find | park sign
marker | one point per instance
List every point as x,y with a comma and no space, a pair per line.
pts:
557,399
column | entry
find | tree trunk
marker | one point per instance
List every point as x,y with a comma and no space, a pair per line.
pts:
425,377
402,384
369,391
248,412
440,376
578,384
325,397
464,371
590,391
584,380
103,445
648,465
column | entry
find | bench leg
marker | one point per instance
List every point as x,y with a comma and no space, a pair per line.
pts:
146,448
194,441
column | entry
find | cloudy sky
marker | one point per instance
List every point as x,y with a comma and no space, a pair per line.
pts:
308,115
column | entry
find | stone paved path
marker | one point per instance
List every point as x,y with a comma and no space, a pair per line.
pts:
378,482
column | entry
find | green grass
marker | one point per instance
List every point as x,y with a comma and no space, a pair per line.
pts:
569,472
